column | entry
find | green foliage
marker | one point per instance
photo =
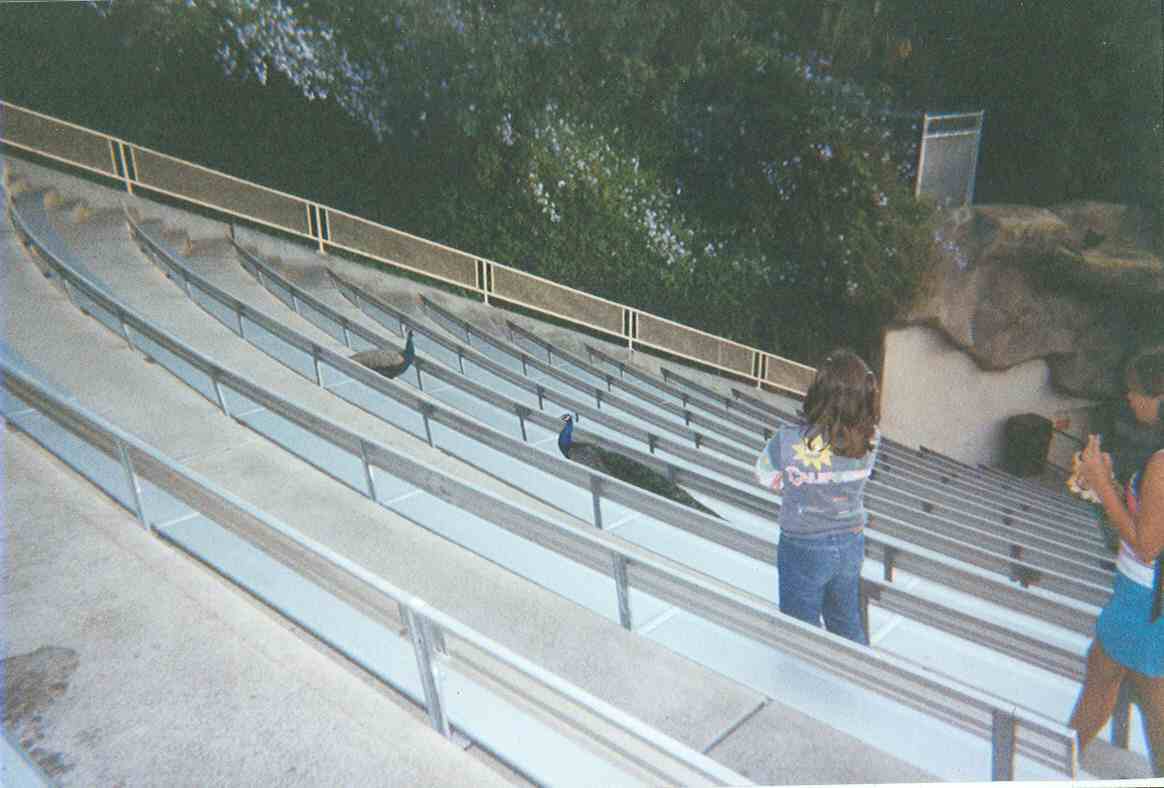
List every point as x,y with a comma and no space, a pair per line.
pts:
740,166
1072,91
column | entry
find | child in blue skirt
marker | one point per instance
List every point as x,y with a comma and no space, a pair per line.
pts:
1129,634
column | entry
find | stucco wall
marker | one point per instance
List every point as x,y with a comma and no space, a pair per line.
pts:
934,394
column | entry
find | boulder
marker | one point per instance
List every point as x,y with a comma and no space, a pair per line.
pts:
1076,284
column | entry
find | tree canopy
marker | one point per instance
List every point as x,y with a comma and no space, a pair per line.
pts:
741,166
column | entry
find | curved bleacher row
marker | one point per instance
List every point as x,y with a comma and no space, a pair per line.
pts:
756,423
1026,494
721,476
242,317
303,304
551,770
755,539
633,568
713,713
607,502
390,633
600,499
344,605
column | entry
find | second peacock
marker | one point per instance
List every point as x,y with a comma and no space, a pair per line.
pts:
389,363
622,467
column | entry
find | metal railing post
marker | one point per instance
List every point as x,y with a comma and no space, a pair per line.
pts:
888,562
134,487
322,226
596,497
974,160
425,646
622,587
315,363
124,327
863,599
69,291
221,397
921,156
1002,749
367,470
425,411
125,165
522,412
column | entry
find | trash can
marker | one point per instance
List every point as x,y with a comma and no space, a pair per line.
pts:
1028,438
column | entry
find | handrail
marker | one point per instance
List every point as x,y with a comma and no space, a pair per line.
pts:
309,219
901,558
1041,536
1072,505
1026,561
675,515
1012,729
691,420
715,419
340,575
1074,508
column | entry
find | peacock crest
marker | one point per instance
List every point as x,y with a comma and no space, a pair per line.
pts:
814,453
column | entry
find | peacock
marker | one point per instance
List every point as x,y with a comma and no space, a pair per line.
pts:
389,363
622,467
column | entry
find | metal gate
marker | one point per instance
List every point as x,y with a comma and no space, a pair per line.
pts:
949,158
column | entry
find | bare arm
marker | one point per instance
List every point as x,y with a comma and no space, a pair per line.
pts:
1144,531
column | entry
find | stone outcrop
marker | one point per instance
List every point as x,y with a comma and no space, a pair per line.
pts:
1076,284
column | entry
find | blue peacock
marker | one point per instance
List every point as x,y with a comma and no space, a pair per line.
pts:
389,363
622,467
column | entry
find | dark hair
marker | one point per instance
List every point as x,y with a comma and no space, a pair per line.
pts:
843,404
1145,371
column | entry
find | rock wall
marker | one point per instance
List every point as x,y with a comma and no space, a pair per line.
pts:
1075,284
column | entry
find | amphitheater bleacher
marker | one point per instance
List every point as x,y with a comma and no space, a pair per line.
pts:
1084,573
143,288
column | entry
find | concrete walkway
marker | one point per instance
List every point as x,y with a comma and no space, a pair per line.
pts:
128,664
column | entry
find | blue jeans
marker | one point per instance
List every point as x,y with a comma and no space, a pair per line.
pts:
821,577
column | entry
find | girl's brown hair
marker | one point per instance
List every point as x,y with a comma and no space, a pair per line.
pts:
1145,371
843,404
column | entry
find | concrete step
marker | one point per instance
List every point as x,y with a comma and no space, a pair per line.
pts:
307,261
86,213
55,201
634,673
16,183
211,247
128,663
43,193
1108,762
177,239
